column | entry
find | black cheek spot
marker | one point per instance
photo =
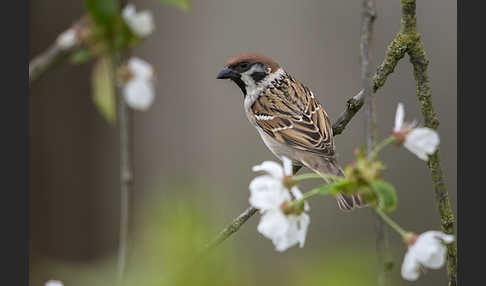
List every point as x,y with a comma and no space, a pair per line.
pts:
258,76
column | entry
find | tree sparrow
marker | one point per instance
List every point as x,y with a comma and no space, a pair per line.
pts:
288,116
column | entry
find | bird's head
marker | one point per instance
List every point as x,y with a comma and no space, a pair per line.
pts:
249,71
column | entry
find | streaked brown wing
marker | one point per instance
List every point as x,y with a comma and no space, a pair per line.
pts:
292,115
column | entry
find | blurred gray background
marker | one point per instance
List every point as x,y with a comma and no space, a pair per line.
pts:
196,132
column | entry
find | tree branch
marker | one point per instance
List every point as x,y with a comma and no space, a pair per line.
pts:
395,51
419,61
367,18
126,177
56,52
368,15
233,227
44,61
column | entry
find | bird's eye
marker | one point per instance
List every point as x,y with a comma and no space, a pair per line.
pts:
244,65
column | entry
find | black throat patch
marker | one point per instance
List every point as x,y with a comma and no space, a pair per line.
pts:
240,84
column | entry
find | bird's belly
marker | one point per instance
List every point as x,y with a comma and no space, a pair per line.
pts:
277,148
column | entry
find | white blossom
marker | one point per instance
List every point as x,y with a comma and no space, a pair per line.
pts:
53,283
428,250
421,141
138,90
269,194
139,94
140,68
67,39
141,23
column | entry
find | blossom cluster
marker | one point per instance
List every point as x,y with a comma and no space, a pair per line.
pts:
141,23
270,194
138,87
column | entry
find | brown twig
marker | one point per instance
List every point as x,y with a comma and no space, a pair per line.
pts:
44,61
56,52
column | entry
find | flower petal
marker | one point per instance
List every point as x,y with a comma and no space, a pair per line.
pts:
274,225
303,221
429,249
287,166
141,23
267,193
410,267
422,142
296,232
399,117
271,167
140,68
138,94
128,11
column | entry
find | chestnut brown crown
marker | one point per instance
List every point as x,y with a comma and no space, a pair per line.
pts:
252,58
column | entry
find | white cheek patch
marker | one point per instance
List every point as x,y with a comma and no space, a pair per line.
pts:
248,80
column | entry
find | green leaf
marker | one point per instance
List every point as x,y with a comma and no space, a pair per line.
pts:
184,5
104,89
81,56
386,195
102,11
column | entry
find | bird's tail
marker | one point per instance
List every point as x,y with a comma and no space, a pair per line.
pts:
330,166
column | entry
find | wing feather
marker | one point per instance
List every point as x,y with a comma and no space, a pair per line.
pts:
291,114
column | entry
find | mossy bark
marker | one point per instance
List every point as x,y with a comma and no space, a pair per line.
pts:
420,62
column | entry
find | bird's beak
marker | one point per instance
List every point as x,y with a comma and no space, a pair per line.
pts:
227,73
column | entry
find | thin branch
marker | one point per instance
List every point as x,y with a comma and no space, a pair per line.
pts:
368,15
419,61
126,179
56,52
353,105
233,227
44,61
394,53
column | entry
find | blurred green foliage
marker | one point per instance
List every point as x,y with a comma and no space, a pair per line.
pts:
185,5
345,266
165,250
103,11
386,194
170,231
169,245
